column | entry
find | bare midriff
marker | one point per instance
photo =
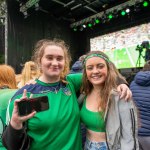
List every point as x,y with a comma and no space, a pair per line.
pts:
96,136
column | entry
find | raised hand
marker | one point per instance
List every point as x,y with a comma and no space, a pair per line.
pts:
16,120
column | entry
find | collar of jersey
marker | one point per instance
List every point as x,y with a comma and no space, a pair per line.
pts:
47,84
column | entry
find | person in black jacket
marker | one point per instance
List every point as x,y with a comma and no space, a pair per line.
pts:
77,67
140,88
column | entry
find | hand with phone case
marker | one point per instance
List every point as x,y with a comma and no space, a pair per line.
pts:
38,104
17,120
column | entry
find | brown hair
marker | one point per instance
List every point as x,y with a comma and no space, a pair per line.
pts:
39,52
119,76
7,77
146,66
110,82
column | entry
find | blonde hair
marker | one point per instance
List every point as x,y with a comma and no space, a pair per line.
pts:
109,84
7,77
39,52
30,71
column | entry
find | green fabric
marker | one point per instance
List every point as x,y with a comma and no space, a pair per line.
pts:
5,96
59,127
95,55
92,120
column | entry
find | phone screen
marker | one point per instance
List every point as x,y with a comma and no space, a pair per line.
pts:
38,104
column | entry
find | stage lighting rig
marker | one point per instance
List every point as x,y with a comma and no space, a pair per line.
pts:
124,9
28,4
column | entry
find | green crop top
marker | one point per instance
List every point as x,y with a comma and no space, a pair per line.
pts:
92,120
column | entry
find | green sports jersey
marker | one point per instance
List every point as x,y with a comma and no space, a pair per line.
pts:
5,96
59,126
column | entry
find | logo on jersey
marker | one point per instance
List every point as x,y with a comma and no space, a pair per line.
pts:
67,91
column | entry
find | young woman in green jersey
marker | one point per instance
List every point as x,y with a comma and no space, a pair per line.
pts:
59,126
111,122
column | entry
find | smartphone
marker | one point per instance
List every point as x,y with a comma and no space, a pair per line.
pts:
29,105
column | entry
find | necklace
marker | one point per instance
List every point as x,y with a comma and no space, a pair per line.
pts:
54,88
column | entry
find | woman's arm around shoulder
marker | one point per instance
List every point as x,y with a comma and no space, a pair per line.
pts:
75,80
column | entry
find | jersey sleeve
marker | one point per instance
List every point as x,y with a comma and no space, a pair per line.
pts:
76,80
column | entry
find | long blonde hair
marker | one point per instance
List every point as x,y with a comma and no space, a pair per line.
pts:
7,77
110,82
30,71
39,52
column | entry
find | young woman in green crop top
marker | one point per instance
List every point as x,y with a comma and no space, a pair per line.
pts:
102,110
93,120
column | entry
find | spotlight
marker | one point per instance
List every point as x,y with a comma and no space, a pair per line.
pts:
75,29
90,25
84,25
81,28
25,14
123,13
110,16
104,18
37,7
127,10
97,21
145,3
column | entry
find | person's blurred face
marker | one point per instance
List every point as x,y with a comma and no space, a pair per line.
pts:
52,62
34,69
96,70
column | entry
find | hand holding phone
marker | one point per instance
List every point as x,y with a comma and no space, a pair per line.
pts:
26,106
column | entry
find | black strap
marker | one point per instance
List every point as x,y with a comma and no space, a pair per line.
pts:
81,99
26,142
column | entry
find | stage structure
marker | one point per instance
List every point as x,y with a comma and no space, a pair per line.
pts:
3,34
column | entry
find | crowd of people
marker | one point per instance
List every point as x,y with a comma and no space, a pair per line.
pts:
107,109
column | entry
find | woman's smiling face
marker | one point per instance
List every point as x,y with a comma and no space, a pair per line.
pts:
96,70
53,62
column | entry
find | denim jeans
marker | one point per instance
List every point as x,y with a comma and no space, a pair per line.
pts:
89,145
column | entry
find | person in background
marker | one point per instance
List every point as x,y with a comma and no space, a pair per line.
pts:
7,90
146,45
18,78
30,71
140,88
77,66
59,126
111,121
